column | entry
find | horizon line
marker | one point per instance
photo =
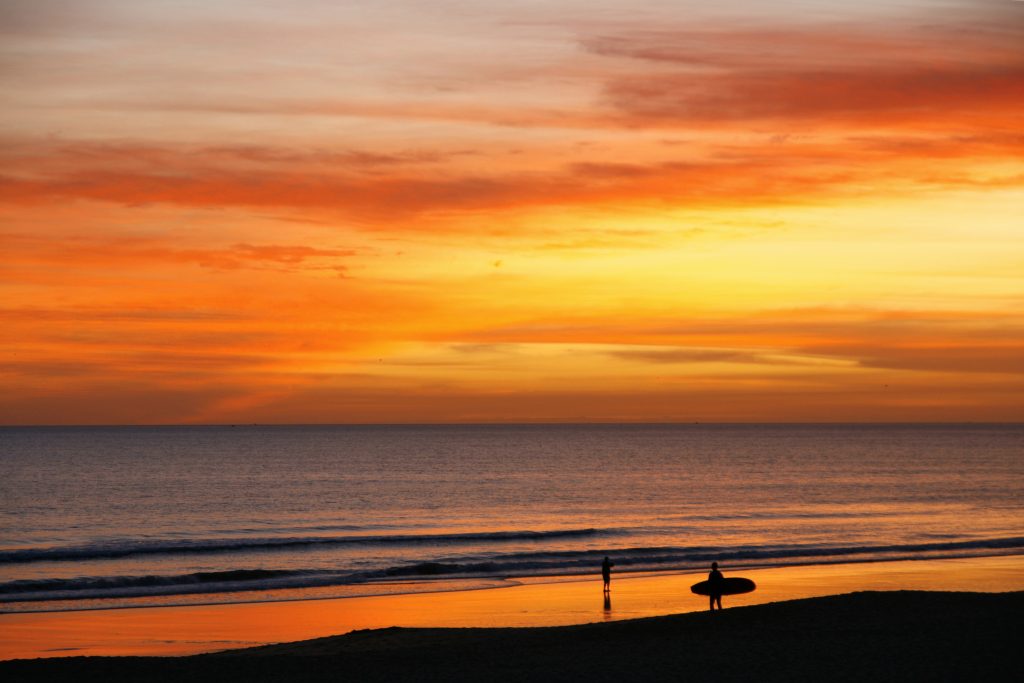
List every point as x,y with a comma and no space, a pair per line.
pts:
534,423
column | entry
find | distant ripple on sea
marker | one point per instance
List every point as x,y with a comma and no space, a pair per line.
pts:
108,516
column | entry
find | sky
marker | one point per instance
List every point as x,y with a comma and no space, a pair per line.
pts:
314,211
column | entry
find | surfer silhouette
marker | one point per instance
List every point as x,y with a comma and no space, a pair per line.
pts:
606,573
715,587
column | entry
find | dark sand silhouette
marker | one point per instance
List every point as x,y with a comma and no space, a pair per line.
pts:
905,636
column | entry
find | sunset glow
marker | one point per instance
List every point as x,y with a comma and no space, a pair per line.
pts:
323,212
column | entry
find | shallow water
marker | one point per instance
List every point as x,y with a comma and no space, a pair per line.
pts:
118,516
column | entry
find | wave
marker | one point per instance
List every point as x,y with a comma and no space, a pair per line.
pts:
694,557
772,552
234,580
130,547
507,565
115,582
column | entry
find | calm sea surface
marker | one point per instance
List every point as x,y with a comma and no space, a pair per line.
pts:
99,517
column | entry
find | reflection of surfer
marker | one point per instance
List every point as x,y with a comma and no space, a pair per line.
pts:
715,587
606,573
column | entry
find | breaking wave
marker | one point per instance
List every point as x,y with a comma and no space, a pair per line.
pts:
131,547
540,563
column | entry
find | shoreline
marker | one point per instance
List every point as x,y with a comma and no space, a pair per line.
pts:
424,586
868,635
184,630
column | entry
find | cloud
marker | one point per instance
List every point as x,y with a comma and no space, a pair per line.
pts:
379,194
346,400
801,364
84,314
945,342
700,183
151,155
671,356
948,71
136,251
954,96
946,357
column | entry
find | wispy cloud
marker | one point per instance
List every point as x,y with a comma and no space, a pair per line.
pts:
845,74
635,210
739,174
671,356
137,252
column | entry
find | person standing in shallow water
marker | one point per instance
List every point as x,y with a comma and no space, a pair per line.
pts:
715,586
606,573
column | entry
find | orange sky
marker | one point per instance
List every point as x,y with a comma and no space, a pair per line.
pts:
398,211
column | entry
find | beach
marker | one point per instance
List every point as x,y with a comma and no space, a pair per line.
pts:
907,636
561,601
193,541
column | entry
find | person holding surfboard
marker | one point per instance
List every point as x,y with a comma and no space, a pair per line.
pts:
715,580
716,586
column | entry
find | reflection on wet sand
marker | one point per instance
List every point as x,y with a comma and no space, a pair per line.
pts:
182,630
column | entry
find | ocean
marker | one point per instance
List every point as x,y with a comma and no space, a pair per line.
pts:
99,517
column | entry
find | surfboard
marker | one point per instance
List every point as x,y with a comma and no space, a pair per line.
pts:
733,585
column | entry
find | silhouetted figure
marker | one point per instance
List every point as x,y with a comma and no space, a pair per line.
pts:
606,573
715,584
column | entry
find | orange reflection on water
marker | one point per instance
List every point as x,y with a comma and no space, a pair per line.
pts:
537,602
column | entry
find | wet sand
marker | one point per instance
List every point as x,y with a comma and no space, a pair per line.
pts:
906,636
539,602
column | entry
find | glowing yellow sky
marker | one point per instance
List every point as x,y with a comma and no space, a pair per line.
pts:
401,211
